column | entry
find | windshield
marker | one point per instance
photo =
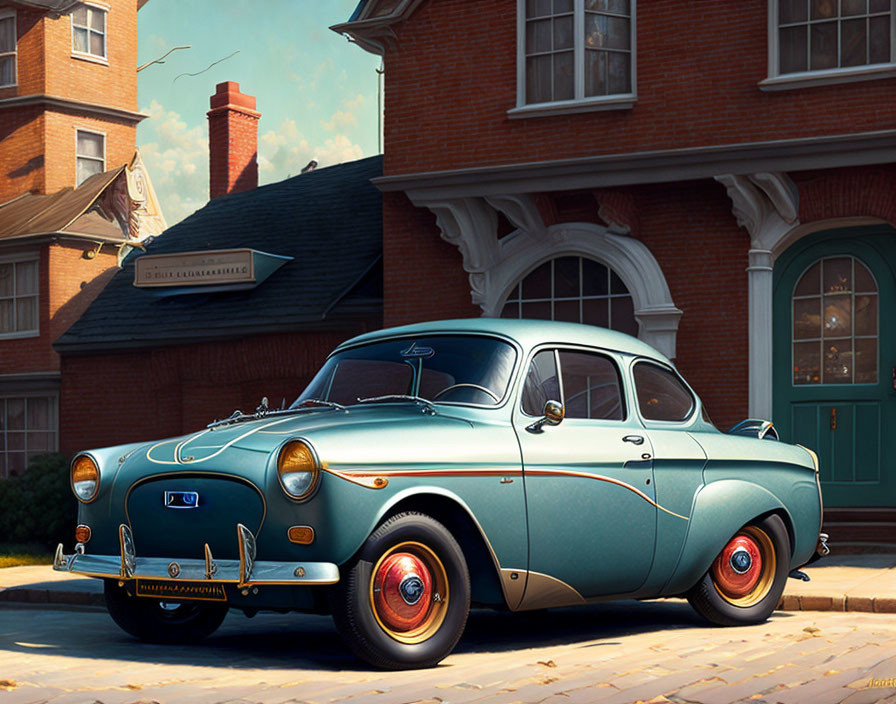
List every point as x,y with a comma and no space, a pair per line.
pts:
441,368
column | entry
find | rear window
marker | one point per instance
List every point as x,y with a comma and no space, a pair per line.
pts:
661,394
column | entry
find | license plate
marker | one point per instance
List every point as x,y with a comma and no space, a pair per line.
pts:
197,591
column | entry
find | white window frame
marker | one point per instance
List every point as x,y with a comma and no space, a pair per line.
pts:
78,156
53,398
831,76
23,259
617,101
6,14
87,55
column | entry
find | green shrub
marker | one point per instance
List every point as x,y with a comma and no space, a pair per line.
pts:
39,507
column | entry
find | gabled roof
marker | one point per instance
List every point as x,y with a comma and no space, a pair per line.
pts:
328,220
370,25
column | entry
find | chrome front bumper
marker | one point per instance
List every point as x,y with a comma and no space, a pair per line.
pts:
245,573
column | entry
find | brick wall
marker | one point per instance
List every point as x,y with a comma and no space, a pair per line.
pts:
452,76
132,396
21,152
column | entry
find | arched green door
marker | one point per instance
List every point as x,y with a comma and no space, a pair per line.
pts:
834,337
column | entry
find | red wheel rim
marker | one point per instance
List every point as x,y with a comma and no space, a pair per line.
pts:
402,591
738,567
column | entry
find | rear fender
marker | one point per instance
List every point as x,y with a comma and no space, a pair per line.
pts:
720,510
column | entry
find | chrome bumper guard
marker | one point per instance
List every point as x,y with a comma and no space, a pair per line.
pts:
244,573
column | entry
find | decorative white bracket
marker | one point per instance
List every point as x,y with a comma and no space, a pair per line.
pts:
767,206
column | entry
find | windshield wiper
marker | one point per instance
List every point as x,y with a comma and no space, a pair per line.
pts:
318,402
263,412
427,405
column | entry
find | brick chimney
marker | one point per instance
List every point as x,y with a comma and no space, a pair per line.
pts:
232,141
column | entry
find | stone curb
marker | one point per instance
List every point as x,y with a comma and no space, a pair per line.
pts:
26,595
838,602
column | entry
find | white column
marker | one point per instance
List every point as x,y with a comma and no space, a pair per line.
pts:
759,276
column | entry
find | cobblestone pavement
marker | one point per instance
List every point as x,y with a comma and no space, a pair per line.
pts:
612,653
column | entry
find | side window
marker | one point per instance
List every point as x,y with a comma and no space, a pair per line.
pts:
591,386
661,394
542,383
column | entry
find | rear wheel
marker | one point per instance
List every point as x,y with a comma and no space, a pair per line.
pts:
746,580
403,601
158,621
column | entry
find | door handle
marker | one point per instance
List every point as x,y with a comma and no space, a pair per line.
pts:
634,439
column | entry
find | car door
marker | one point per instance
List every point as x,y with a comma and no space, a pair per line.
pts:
588,480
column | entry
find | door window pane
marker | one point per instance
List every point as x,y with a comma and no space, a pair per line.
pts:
591,386
542,383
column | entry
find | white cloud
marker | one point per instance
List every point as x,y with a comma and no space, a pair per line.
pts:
177,161
285,152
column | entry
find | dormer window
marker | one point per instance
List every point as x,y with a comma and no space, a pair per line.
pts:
89,31
7,48
575,55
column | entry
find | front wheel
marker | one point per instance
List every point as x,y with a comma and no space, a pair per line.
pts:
157,621
746,580
403,600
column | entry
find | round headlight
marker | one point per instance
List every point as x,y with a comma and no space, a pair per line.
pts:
297,469
85,478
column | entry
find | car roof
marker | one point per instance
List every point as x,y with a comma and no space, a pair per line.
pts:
528,333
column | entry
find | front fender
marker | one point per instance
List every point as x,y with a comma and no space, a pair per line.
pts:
720,510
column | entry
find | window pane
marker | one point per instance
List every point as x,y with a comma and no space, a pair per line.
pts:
80,38
594,278
866,315
538,8
16,463
807,318
792,11
79,15
852,7
596,31
97,20
661,395
596,311
822,9
823,39
618,7
15,414
864,279
562,6
8,34
837,316
7,319
618,33
619,75
7,70
616,284
806,363
564,81
793,48
837,362
90,144
567,311
538,79
88,168
880,39
810,283
866,361
26,278
538,36
566,277
837,275
591,387
622,313
880,5
511,310
97,44
26,314
541,383
852,43
596,73
537,311
38,413
538,283
39,443
563,33
6,279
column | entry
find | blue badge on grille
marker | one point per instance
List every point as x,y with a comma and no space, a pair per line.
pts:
181,499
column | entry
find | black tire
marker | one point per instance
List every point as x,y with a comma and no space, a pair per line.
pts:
156,621
709,599
364,625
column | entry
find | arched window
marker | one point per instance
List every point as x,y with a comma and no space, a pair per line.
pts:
835,324
575,290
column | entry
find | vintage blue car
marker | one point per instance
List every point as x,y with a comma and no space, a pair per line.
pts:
505,463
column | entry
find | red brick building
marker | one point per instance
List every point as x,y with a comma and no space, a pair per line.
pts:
716,177
73,192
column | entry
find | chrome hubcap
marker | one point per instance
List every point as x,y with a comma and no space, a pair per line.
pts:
741,561
411,589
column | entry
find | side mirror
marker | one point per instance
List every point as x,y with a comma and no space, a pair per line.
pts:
553,414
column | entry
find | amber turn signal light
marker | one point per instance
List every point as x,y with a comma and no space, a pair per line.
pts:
82,534
303,535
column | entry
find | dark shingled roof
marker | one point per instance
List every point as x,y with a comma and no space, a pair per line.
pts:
329,220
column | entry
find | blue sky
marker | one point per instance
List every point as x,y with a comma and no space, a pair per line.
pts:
316,92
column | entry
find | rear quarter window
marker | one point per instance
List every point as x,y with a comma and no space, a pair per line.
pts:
661,394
